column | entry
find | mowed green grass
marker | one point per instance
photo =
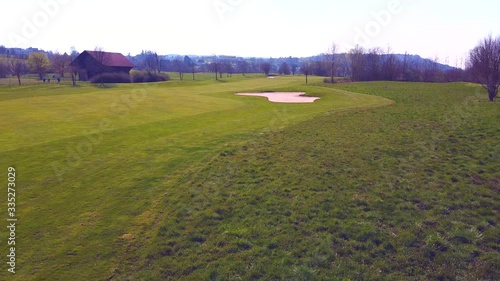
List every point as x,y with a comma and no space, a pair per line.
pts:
96,166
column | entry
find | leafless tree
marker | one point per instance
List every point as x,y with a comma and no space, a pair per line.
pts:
330,60
243,67
74,68
221,68
484,64
214,66
74,53
102,59
227,67
3,50
150,62
389,66
373,64
306,69
430,70
266,68
284,69
344,66
4,69
60,63
318,68
192,67
356,56
179,67
18,67
74,73
159,60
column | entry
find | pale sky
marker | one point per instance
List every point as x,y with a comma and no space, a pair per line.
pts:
261,28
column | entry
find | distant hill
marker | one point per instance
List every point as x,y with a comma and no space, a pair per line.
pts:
418,60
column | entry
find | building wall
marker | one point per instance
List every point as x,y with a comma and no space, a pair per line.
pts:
89,68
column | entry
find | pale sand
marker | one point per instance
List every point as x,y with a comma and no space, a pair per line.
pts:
283,97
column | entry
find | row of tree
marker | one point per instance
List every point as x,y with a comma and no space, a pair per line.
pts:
151,62
37,62
358,64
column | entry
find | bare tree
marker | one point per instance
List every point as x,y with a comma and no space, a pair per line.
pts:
159,60
228,67
306,69
214,66
430,71
18,67
102,59
189,65
356,56
74,53
330,59
318,68
344,66
192,66
284,69
373,65
179,67
243,67
74,73
39,63
293,68
150,62
266,68
4,69
60,63
405,69
389,66
74,68
3,50
484,64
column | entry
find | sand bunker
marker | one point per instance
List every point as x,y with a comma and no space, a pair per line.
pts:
282,97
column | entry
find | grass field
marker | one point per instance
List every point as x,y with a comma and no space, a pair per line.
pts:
185,181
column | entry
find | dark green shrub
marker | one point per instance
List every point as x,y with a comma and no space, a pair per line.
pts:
329,81
148,77
111,78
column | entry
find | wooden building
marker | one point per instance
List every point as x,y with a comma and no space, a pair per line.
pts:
92,63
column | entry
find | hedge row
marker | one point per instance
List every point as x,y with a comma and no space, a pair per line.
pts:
147,77
135,77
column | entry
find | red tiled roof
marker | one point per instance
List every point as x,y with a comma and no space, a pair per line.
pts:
113,59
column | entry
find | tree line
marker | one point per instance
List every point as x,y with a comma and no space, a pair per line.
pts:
224,66
359,64
37,63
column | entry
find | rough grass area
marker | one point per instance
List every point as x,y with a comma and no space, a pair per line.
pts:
406,192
